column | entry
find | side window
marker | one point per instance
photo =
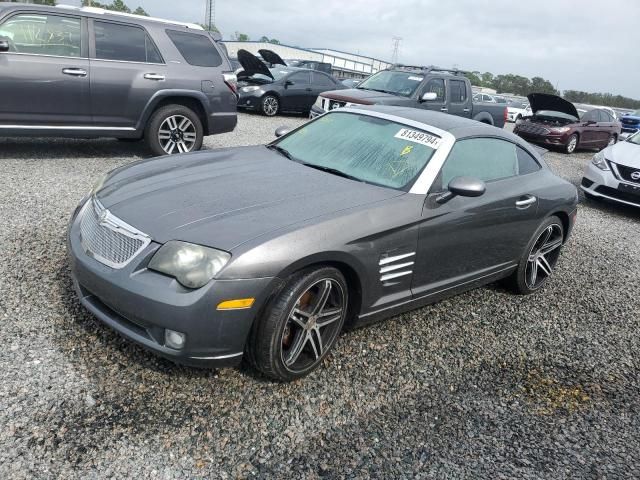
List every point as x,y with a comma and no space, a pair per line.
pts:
300,78
322,80
457,91
483,158
125,43
591,116
604,116
197,50
526,163
43,34
435,85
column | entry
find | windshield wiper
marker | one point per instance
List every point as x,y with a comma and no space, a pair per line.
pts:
334,171
282,151
377,90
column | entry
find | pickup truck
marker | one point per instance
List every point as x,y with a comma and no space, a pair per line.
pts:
431,88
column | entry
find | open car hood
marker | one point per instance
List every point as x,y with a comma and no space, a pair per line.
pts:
251,65
544,101
271,57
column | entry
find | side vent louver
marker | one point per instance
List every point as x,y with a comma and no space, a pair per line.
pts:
396,266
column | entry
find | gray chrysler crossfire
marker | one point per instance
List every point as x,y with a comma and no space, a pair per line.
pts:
268,252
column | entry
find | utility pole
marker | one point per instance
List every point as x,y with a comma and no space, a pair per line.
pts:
396,49
210,16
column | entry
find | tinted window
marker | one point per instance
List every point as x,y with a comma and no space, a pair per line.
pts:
43,34
526,163
400,83
124,43
196,49
604,116
483,158
322,80
300,78
458,93
436,85
591,116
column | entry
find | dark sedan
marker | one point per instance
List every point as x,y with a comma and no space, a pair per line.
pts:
556,123
267,252
279,88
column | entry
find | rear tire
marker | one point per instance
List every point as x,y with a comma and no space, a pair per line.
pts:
572,144
300,327
270,105
541,254
174,129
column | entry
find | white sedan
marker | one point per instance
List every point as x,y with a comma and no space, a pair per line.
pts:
614,173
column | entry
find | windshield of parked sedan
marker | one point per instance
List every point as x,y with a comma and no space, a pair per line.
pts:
370,149
554,114
277,73
397,83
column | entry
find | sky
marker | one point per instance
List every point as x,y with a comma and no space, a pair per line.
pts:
575,44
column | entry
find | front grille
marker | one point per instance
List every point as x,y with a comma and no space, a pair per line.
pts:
107,238
612,192
533,129
333,104
630,121
628,174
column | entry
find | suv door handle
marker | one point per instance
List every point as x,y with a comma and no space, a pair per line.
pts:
526,202
444,109
154,76
466,110
75,72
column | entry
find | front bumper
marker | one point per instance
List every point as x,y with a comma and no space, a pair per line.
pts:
549,140
604,184
140,304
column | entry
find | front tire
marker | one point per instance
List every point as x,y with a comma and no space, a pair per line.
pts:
539,258
571,144
301,325
270,105
174,129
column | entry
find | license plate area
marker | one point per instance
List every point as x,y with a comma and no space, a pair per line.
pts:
632,189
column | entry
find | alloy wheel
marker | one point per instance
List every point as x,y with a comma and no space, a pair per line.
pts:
543,256
312,325
177,134
573,142
270,106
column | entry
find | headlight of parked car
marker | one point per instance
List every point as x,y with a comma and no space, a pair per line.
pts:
249,89
560,129
599,161
192,265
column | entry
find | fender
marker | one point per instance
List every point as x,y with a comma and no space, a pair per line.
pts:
484,117
163,94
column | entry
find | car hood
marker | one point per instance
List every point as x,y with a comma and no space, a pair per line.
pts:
545,101
271,57
252,64
624,153
362,96
228,197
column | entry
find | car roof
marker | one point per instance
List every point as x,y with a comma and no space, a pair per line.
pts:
94,12
459,127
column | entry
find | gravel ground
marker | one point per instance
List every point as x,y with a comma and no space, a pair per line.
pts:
483,385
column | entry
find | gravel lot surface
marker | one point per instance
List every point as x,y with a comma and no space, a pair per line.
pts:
483,385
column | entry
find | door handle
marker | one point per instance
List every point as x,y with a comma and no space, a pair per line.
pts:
466,110
75,72
444,109
308,89
154,76
526,201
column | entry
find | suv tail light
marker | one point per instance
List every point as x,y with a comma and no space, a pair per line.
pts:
231,81
506,114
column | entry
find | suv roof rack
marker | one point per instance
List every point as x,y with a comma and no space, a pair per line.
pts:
102,11
427,69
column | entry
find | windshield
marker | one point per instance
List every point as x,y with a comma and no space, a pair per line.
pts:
636,113
635,138
398,83
277,73
554,114
367,148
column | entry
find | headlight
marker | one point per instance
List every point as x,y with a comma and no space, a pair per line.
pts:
318,102
192,265
249,89
99,184
560,129
600,162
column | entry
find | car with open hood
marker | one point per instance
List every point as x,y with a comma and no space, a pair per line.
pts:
271,90
555,122
267,252
614,173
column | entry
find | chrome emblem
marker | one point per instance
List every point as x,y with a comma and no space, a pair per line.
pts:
103,216
635,175
335,106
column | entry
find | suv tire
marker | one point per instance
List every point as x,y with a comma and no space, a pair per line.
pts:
174,129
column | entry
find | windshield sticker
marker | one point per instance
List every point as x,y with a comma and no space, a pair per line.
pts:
416,79
418,137
406,150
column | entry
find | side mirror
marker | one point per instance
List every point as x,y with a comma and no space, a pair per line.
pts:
591,122
288,83
463,187
283,130
4,46
429,97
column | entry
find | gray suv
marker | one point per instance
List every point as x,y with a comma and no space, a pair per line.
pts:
86,72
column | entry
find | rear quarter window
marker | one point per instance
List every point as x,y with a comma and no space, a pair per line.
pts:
197,50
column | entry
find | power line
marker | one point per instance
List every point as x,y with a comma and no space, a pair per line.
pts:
396,49
210,15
